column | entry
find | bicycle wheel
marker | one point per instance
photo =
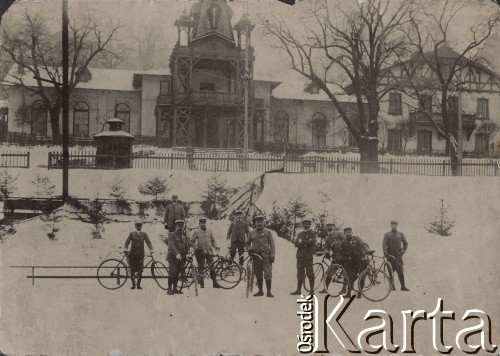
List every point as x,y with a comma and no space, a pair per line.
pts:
319,271
374,284
249,278
230,276
112,273
336,280
160,274
387,268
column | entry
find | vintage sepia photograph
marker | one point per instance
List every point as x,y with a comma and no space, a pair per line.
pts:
249,177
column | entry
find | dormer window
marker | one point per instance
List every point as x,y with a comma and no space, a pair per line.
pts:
84,75
213,15
312,89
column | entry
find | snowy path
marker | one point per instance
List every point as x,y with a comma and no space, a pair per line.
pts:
63,317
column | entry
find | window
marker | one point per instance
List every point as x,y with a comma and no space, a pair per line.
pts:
122,112
482,111
481,144
394,139
281,127
81,119
319,129
424,142
395,104
351,141
165,87
453,105
425,103
39,118
207,86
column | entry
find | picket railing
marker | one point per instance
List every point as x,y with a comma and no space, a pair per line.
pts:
12,159
264,163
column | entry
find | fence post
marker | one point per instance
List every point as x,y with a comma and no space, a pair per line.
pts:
391,166
444,167
114,161
49,160
28,160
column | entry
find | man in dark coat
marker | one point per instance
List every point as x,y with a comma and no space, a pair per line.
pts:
332,247
354,249
260,241
306,246
136,254
177,250
321,232
395,245
174,211
238,232
204,244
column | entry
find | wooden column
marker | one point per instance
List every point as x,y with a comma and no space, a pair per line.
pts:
205,128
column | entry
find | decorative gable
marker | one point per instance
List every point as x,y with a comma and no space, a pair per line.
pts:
212,18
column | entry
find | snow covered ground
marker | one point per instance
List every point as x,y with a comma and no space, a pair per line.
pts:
79,317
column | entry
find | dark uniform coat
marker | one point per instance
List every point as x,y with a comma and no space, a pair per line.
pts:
306,247
333,244
172,213
262,242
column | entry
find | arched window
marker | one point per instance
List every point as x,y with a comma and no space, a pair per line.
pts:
280,127
319,129
38,118
122,112
81,119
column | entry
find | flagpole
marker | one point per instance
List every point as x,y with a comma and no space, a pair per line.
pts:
245,137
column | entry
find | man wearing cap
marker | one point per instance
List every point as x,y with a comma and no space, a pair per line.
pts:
354,249
174,211
395,245
306,246
177,249
238,232
260,241
332,247
136,254
204,244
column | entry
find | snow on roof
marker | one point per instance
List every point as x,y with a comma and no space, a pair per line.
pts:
296,90
102,79
114,134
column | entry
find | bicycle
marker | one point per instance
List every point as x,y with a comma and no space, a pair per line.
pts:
250,272
116,272
319,271
386,266
227,272
373,283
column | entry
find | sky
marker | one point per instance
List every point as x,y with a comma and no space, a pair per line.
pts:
138,16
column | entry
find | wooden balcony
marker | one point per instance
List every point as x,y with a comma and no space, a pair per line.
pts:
200,97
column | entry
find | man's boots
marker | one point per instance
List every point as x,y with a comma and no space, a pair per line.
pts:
170,285
201,282
299,287
311,286
260,293
133,282
139,282
214,280
176,291
268,285
402,281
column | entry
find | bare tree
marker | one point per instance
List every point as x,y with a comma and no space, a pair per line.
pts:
437,71
35,50
358,43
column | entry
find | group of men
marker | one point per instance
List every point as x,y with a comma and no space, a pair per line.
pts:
342,248
348,250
